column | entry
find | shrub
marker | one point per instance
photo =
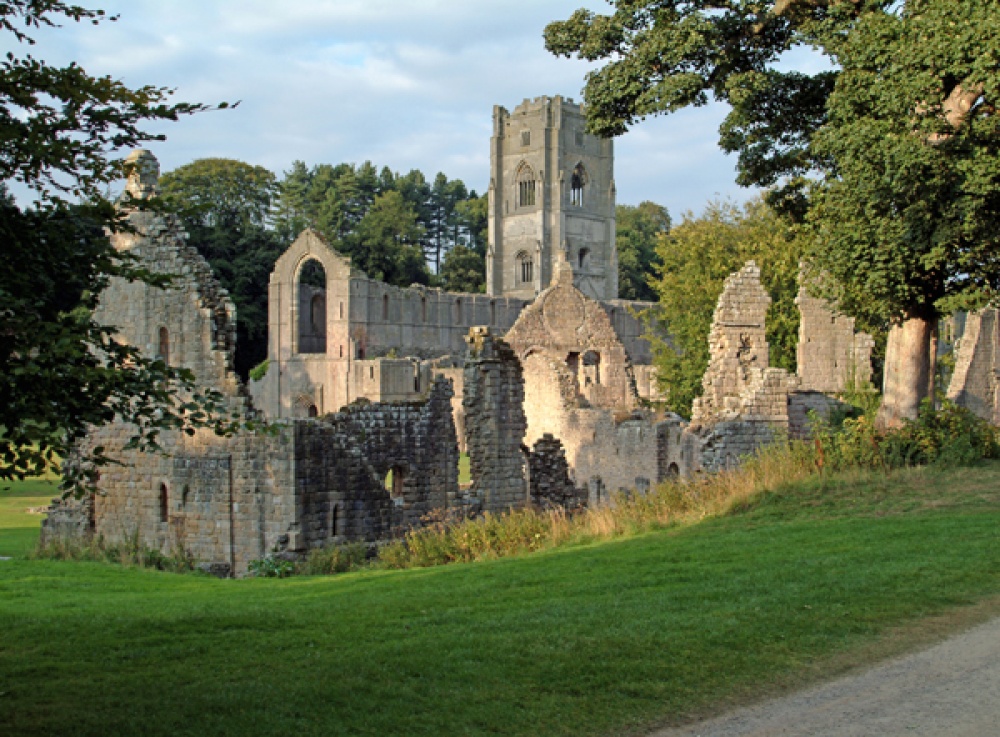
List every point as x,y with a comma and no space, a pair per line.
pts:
259,371
334,559
271,566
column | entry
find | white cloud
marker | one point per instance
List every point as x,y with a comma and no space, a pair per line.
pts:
404,84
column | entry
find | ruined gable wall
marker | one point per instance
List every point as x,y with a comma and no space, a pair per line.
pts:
974,384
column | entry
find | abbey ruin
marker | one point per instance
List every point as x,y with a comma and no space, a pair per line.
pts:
546,380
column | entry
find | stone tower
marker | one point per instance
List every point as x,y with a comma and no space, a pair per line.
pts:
552,189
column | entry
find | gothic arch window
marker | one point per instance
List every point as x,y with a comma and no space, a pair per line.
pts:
524,268
311,318
525,180
578,182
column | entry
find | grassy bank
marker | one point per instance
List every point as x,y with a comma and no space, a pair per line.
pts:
18,527
593,638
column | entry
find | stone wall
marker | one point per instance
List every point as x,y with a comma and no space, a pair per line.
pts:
550,482
745,402
831,357
494,422
975,383
230,500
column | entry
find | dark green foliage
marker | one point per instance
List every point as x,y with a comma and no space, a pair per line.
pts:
336,199
950,436
386,242
271,566
463,270
60,372
225,206
694,261
637,230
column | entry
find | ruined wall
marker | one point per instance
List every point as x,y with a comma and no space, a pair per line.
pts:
230,500
745,403
549,478
976,381
494,422
831,357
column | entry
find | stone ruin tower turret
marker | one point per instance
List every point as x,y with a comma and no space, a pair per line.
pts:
552,193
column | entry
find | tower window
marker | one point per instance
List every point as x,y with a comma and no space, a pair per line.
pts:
577,184
584,257
524,268
525,186
525,138
579,139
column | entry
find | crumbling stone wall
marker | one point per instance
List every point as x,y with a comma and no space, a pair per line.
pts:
745,402
494,422
551,485
230,500
831,357
975,384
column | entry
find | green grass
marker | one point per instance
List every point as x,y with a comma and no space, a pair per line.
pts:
584,640
18,529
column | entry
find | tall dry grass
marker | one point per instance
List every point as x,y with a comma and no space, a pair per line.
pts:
671,503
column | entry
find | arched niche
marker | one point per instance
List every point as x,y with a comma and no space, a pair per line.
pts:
310,286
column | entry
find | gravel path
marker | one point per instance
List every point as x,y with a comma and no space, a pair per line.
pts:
949,690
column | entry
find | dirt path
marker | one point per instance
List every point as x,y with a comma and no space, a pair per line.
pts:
949,690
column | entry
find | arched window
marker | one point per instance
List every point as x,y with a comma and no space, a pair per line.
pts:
163,349
584,257
525,179
524,268
577,184
164,503
312,411
311,289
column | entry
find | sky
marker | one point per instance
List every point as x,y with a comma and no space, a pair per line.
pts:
408,84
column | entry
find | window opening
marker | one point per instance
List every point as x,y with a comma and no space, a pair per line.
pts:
577,184
311,289
163,349
525,186
584,257
385,307
524,268
164,503
525,138
312,411
458,312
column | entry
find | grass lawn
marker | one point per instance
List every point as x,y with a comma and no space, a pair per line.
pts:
18,529
594,639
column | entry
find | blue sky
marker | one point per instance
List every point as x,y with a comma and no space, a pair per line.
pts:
404,83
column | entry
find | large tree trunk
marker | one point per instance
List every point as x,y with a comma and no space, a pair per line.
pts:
908,370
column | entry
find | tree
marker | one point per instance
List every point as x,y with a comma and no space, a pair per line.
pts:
463,270
637,230
61,372
226,208
386,246
901,133
694,261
